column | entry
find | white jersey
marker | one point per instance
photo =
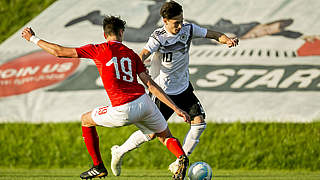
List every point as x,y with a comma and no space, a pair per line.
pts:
173,53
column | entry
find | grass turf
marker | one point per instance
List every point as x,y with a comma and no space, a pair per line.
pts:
135,174
252,146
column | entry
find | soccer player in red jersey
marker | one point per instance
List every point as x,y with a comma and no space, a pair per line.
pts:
119,67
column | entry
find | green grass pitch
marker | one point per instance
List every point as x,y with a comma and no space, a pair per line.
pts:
141,174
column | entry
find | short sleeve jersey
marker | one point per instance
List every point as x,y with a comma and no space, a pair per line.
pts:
118,67
174,53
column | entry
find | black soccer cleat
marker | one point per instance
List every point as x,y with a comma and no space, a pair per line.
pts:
98,171
183,165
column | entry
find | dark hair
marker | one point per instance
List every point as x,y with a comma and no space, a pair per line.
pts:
112,25
170,9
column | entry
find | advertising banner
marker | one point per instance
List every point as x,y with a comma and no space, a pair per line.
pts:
273,75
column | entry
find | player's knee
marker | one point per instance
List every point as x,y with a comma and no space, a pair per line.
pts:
152,136
86,119
198,120
162,136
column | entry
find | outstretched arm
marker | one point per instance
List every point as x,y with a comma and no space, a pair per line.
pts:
144,54
51,48
159,93
222,38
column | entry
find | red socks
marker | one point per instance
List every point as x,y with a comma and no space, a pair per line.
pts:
91,139
174,146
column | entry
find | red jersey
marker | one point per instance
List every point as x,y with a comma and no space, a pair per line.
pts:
118,67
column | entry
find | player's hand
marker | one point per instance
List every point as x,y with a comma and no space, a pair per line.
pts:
232,42
27,33
184,115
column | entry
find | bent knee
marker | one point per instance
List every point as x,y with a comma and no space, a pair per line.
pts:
198,120
152,136
86,120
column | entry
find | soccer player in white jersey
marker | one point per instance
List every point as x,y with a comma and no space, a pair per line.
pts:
171,43
119,68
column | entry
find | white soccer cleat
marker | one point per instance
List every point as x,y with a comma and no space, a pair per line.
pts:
116,160
173,167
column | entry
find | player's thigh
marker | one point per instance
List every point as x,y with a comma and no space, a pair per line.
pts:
152,120
188,102
108,116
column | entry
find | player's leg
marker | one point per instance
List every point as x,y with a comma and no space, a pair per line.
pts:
190,103
118,152
192,138
134,141
175,148
101,116
91,140
155,122
138,138
170,142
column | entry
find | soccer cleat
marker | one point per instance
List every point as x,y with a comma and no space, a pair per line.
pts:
173,167
116,160
98,171
182,169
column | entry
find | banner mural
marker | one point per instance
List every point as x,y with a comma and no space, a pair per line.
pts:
272,76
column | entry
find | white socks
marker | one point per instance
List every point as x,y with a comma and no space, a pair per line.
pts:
190,141
192,138
133,142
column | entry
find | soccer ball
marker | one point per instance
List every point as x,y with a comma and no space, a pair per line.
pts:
200,171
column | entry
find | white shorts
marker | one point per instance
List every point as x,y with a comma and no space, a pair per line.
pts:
141,112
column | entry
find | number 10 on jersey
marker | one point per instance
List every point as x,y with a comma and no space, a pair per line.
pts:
128,72
167,57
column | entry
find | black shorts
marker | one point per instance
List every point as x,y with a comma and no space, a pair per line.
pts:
186,100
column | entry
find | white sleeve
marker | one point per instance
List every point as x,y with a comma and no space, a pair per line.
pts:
152,45
199,32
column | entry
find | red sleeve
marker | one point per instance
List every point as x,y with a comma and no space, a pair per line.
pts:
140,66
87,51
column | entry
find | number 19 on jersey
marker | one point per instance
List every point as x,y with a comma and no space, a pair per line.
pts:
128,72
